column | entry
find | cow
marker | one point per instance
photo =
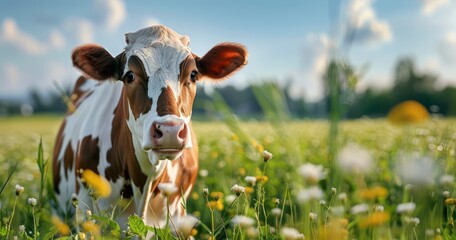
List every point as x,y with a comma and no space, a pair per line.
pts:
131,122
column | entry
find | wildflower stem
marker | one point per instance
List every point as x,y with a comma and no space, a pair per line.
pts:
168,215
212,218
262,195
34,224
8,228
76,217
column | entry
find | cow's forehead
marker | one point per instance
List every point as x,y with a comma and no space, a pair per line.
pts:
156,37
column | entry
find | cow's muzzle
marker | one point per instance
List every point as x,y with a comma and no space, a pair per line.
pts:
168,138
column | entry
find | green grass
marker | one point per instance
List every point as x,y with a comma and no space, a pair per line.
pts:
230,152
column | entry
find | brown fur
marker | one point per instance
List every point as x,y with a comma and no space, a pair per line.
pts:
122,156
94,61
166,103
137,90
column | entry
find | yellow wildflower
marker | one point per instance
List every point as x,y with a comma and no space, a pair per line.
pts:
248,189
374,220
97,183
450,201
373,193
335,229
242,171
408,112
63,229
257,146
215,205
234,137
216,195
214,154
262,179
195,196
91,227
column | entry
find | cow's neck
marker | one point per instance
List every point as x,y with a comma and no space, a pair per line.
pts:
125,159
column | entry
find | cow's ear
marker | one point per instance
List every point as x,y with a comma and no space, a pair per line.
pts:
96,62
222,61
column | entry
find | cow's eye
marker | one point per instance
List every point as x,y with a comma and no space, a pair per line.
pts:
193,76
129,76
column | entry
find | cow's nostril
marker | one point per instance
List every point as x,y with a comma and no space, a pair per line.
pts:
157,134
183,132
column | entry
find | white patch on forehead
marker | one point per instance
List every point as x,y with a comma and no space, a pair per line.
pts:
161,50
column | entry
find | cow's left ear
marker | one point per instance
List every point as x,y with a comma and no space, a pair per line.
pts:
222,61
96,62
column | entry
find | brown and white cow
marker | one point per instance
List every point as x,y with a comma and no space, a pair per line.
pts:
131,124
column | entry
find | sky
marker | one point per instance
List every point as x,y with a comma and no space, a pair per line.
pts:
289,41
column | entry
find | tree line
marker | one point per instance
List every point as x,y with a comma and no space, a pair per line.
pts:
253,101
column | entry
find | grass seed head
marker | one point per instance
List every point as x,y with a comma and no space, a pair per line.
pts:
291,234
19,189
167,189
242,221
238,190
32,202
406,207
267,156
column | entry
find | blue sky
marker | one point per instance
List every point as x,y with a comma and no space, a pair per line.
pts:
289,41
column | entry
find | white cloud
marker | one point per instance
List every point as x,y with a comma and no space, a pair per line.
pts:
368,28
57,40
111,13
11,34
150,22
80,29
447,48
430,6
308,81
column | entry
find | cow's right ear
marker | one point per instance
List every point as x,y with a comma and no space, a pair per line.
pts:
96,62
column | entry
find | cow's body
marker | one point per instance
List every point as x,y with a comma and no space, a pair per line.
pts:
136,132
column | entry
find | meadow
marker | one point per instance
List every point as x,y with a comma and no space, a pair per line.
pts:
371,180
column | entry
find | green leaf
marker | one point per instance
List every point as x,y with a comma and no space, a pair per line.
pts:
137,226
3,231
112,225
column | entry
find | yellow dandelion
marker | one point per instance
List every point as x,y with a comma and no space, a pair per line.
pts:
249,190
257,146
215,205
374,220
242,171
91,227
335,229
408,112
214,154
342,222
234,137
193,232
216,195
373,193
450,201
195,196
97,183
262,179
63,229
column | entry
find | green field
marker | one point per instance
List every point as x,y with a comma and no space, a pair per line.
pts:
385,182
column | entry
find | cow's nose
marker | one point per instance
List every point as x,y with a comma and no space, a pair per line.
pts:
168,135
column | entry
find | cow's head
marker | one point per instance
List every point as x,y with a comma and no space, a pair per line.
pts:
159,73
